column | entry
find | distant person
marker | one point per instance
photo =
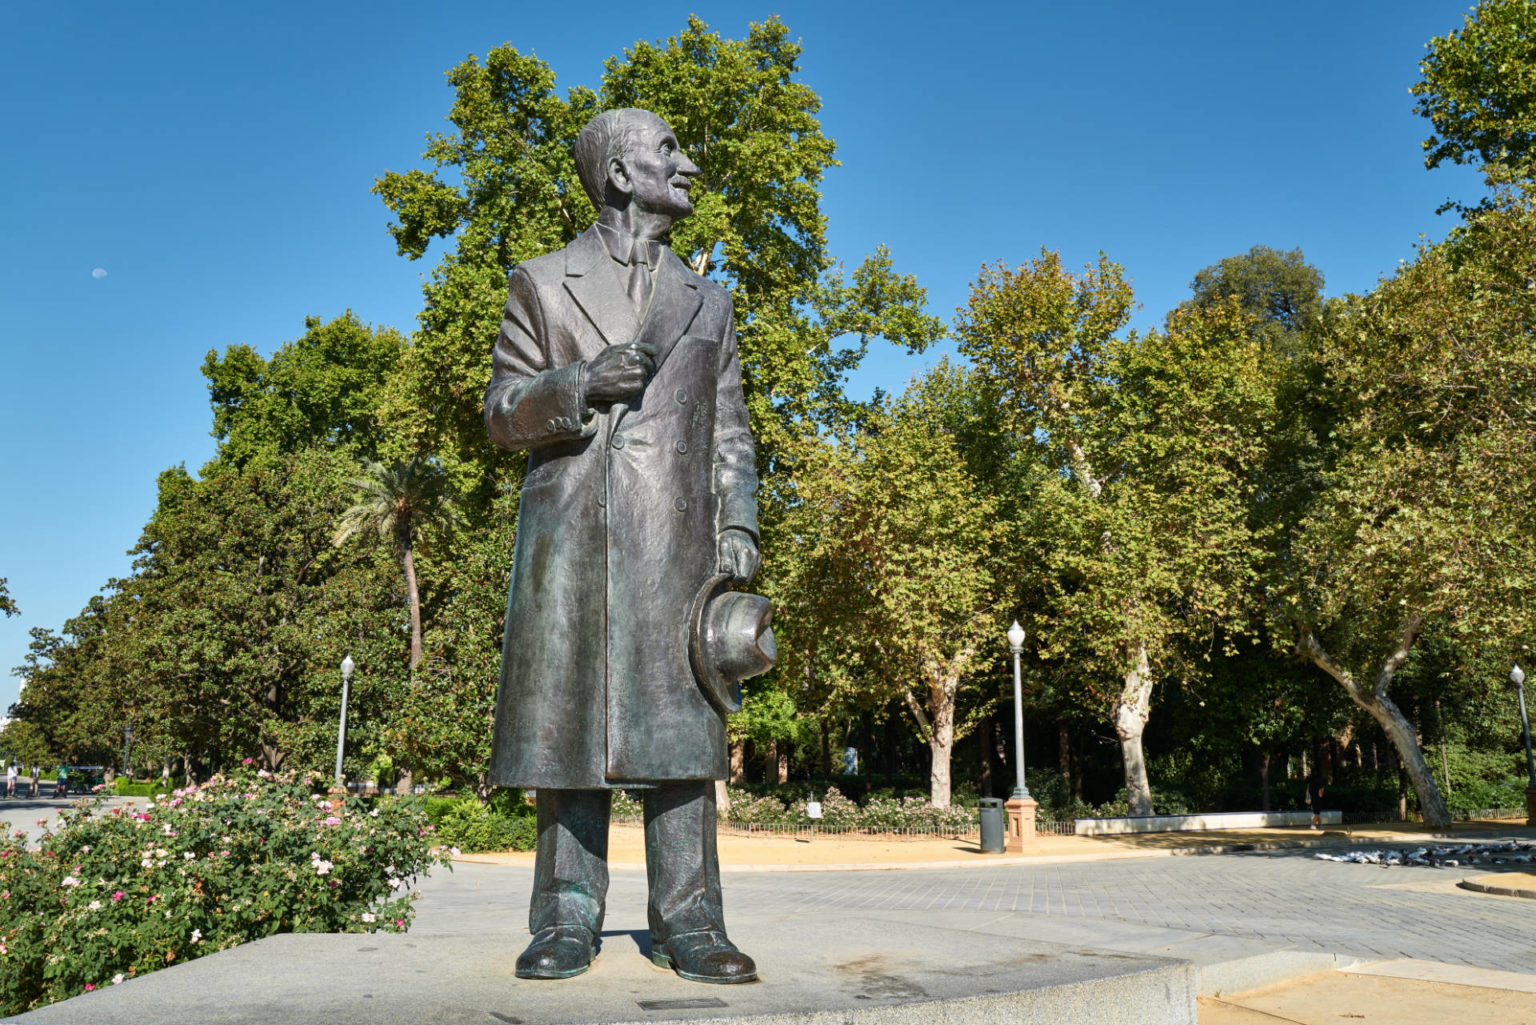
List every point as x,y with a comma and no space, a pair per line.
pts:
10,780
62,790
34,781
1315,787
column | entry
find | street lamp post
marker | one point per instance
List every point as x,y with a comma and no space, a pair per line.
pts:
1016,645
1021,807
347,665
1517,677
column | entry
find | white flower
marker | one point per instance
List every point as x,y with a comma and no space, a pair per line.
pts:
321,867
146,862
394,883
187,855
70,881
453,851
95,905
368,916
117,980
197,935
374,813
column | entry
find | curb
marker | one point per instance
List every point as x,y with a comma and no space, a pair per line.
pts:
1498,891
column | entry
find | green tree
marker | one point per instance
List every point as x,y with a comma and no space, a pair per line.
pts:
401,503
7,604
1479,89
323,388
1427,522
504,189
889,551
1280,290
1151,444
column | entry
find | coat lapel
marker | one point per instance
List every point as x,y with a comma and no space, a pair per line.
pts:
594,282
673,306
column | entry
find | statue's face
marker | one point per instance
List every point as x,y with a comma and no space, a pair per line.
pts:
660,172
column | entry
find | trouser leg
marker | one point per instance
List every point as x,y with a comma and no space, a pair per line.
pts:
570,869
681,862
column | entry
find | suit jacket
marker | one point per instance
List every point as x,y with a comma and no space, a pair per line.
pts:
618,523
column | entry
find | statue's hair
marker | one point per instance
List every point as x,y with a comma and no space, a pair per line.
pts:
605,137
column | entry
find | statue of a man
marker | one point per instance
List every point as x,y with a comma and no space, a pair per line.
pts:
617,370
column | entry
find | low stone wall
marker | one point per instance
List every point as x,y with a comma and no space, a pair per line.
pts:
1215,820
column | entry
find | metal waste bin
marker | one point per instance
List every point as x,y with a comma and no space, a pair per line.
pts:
992,825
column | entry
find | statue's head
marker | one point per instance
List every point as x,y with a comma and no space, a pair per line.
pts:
629,156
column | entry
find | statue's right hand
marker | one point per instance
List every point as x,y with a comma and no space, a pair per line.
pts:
620,371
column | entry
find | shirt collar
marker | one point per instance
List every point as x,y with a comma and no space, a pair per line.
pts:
624,248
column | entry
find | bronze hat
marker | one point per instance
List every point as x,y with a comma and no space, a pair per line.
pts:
731,640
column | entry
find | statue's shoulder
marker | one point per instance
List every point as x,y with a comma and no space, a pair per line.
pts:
551,268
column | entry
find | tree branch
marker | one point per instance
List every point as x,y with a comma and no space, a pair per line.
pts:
1399,655
924,727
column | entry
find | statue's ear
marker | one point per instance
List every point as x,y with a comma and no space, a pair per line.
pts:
618,180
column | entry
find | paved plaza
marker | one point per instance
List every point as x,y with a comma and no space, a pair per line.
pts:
881,940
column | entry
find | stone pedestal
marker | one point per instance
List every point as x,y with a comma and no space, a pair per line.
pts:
1530,806
1021,824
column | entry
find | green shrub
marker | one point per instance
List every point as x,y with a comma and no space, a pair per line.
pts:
112,894
471,825
124,787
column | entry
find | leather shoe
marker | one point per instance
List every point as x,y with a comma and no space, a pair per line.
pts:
705,956
558,952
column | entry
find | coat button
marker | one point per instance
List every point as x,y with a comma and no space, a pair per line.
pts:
682,397
602,501
618,441
680,504
682,447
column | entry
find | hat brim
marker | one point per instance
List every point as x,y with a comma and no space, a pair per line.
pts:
723,694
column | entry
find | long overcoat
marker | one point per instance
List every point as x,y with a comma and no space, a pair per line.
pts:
618,524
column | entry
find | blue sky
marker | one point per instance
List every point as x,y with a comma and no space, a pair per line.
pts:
214,161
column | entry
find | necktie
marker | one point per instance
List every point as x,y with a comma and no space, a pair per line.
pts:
640,274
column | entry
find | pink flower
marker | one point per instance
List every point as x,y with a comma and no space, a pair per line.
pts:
332,821
246,761
119,895
89,987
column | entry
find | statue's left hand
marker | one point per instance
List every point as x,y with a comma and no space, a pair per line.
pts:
739,555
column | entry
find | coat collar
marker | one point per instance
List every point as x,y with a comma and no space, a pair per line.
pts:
594,281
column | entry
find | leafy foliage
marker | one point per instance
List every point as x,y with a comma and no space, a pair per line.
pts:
1479,89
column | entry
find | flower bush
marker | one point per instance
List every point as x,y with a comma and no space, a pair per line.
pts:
112,894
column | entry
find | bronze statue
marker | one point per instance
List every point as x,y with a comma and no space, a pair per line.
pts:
616,368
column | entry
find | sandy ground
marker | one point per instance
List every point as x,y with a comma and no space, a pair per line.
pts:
626,848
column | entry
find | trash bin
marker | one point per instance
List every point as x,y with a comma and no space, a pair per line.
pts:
992,825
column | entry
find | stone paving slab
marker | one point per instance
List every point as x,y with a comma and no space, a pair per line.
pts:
837,970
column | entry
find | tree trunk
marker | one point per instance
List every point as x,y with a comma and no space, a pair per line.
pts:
722,798
984,741
413,597
781,770
1064,753
1264,776
770,761
1132,709
1077,778
1394,724
937,725
941,743
738,761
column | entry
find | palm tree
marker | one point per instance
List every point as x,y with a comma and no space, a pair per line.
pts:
397,502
